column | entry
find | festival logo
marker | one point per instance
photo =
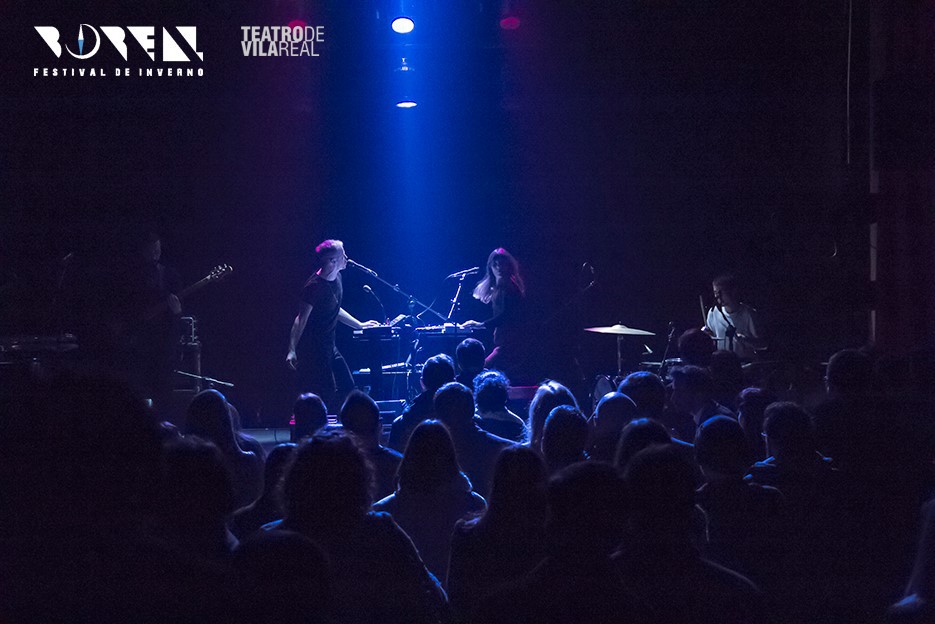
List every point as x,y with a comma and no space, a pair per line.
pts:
158,43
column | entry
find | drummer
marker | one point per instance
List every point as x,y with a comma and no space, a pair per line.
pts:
731,322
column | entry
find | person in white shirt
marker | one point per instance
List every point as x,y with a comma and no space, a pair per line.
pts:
731,323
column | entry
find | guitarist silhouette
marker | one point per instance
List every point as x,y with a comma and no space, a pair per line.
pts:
150,341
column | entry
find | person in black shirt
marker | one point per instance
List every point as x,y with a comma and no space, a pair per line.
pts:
503,288
328,375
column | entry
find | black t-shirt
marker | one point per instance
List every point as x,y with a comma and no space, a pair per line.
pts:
325,299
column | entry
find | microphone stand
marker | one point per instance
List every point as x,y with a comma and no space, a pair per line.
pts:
412,300
454,302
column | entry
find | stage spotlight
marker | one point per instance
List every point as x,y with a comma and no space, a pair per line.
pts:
406,104
403,25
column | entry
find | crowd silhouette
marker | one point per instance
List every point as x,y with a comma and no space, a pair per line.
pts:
696,501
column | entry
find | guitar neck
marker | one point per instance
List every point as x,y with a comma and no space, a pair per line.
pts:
190,289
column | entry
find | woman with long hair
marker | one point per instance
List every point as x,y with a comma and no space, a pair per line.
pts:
432,495
503,288
508,540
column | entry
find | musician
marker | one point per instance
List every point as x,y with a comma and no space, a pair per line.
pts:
325,371
503,288
148,334
730,322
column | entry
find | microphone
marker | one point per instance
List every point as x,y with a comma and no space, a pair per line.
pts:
464,273
370,292
361,267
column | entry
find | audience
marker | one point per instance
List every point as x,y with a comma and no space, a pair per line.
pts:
491,393
508,539
208,417
361,416
268,507
693,393
548,396
742,517
614,411
576,582
658,559
648,391
109,516
564,438
476,449
751,406
376,571
469,357
196,499
284,579
309,415
436,372
432,495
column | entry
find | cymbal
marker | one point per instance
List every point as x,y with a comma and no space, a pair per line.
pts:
619,330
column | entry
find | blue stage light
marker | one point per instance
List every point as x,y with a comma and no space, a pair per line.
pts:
406,104
403,25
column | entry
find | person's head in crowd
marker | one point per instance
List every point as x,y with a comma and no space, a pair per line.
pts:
612,414
587,512
726,290
751,407
491,391
564,437
437,371
310,415
661,485
329,484
721,448
647,390
454,406
518,493
469,356
208,417
96,463
637,435
548,396
277,465
429,463
849,374
695,347
361,416
285,578
790,434
196,493
727,373
692,388
235,417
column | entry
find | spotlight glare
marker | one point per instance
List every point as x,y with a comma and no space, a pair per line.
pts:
406,104
509,23
403,25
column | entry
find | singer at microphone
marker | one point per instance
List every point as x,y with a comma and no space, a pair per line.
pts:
503,288
322,367
361,267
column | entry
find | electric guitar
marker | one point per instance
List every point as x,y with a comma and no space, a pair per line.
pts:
217,273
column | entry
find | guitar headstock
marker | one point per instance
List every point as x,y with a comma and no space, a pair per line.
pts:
219,272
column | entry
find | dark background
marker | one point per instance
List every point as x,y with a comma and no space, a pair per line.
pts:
661,142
